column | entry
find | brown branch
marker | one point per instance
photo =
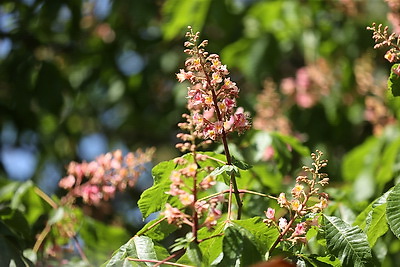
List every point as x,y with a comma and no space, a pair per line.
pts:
157,261
224,140
176,254
154,224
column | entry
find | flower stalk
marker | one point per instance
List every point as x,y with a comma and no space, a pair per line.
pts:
299,206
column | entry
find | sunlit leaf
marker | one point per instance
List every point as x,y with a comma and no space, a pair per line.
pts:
145,248
138,247
56,215
394,81
19,193
294,143
263,236
7,190
362,217
100,239
225,172
246,242
157,231
180,13
238,248
392,210
154,198
194,254
241,164
363,157
348,243
387,163
212,246
376,224
372,220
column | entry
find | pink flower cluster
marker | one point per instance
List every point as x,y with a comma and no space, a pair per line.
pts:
310,84
382,38
212,96
100,179
205,209
180,187
299,204
270,111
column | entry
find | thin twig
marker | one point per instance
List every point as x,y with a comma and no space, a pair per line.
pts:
241,191
45,197
80,251
210,237
154,224
41,237
218,160
283,233
230,201
174,255
157,261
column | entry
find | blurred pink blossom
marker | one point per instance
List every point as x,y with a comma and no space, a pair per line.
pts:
102,178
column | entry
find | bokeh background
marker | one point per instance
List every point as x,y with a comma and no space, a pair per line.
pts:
79,78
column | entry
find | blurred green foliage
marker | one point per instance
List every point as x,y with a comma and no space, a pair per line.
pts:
70,69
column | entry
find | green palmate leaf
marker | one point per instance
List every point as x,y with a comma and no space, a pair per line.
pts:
15,225
262,235
180,13
194,254
315,260
145,248
241,164
394,82
362,217
238,248
212,246
246,241
100,239
348,243
225,172
266,175
158,231
294,143
223,169
372,220
138,247
20,192
387,163
11,255
365,156
56,215
7,190
376,224
284,147
154,198
119,257
392,210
